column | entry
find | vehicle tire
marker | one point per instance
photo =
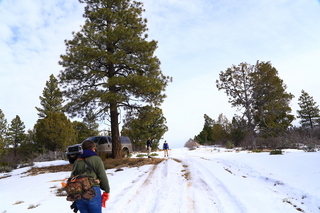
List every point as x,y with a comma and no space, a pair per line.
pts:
125,153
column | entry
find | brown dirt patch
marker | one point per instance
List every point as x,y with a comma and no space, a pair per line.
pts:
108,164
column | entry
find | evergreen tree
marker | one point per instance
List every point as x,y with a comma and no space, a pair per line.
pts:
238,84
147,122
206,135
3,130
270,101
110,65
238,130
55,132
309,112
261,93
85,129
29,147
3,124
90,121
221,129
52,99
81,130
50,134
16,134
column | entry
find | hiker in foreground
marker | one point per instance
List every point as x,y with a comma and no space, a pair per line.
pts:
165,148
91,164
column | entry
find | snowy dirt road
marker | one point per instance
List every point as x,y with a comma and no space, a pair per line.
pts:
191,183
167,187
200,181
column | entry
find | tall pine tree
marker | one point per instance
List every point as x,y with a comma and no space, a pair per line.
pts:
271,102
16,133
3,125
110,64
52,99
238,84
309,112
53,131
3,130
262,94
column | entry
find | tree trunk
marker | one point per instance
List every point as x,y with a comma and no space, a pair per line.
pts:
251,128
116,145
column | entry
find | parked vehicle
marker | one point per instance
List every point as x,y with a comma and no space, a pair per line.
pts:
103,146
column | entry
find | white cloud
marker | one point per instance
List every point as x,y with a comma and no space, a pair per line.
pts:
30,48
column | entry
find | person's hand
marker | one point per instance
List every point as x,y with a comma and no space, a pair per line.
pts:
105,197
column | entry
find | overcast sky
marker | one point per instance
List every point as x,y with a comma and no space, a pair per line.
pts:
196,40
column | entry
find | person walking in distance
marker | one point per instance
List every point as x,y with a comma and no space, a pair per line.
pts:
165,148
149,145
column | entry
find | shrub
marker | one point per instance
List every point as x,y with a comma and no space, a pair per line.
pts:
276,152
4,169
309,149
50,156
22,165
229,145
191,144
4,163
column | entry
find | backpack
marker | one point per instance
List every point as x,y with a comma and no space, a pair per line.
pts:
165,146
80,186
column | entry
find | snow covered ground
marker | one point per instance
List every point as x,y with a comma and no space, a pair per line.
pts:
203,180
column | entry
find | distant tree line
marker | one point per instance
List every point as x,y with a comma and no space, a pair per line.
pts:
54,132
265,116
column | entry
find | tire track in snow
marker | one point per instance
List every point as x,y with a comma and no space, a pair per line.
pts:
212,189
129,191
174,185
160,189
286,193
164,188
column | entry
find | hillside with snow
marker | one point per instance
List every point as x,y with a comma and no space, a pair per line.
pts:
202,180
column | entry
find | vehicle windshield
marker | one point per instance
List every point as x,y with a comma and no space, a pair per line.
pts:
98,139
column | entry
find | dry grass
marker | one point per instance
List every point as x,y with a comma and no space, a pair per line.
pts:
49,169
33,206
18,202
177,160
108,164
186,172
